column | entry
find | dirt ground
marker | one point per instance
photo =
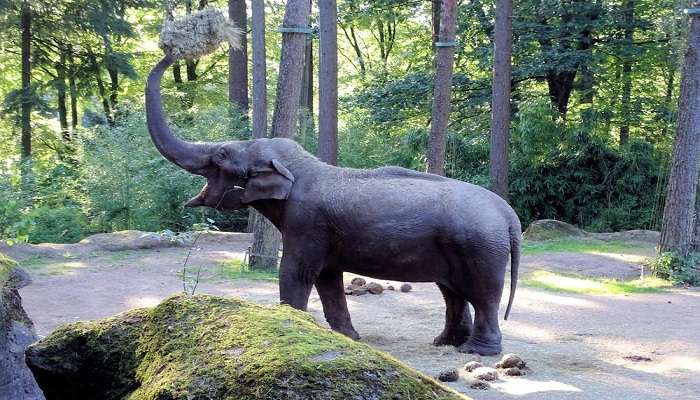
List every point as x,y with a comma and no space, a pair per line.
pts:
576,345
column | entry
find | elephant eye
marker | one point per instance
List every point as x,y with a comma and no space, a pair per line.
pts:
220,155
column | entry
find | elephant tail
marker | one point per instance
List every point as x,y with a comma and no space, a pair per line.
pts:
515,234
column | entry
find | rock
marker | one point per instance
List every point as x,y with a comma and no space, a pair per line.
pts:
448,375
485,374
16,333
390,287
550,229
359,291
358,282
514,371
205,347
472,365
375,288
406,287
480,385
510,360
349,289
637,358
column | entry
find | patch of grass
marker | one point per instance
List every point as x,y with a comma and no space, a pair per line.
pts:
238,269
584,285
578,246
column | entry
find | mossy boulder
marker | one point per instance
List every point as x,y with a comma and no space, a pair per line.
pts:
16,333
551,229
204,347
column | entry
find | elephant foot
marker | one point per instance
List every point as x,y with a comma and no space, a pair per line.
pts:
481,347
349,332
451,338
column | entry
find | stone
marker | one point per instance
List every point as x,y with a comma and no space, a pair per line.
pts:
390,287
406,287
206,347
16,333
359,291
375,288
485,374
510,360
472,365
448,375
550,229
358,281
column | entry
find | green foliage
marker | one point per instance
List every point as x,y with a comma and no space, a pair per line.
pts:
239,269
57,225
676,268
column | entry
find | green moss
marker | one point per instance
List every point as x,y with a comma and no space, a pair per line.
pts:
6,266
204,347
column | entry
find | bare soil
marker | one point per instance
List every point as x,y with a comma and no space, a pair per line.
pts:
577,346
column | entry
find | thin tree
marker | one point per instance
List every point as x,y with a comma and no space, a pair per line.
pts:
444,61
266,239
328,82
628,58
26,119
500,98
678,220
238,58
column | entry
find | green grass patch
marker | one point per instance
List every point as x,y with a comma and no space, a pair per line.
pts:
584,285
579,246
238,269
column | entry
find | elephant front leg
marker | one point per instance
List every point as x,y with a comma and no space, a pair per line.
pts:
329,285
296,280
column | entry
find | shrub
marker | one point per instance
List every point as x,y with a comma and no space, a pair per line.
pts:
57,225
678,269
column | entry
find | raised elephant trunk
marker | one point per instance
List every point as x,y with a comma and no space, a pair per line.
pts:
193,157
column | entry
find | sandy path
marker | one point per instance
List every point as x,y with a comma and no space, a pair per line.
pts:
574,344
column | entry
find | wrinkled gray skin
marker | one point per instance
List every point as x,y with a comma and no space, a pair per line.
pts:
388,223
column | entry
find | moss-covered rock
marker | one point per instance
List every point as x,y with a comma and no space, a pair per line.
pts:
205,347
551,229
16,333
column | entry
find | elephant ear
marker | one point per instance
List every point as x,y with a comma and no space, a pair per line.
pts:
273,181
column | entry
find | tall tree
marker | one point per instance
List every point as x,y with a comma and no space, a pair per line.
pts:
26,121
73,87
678,219
259,69
444,61
500,98
328,82
628,59
238,58
266,238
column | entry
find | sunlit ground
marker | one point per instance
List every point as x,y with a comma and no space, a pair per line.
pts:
578,284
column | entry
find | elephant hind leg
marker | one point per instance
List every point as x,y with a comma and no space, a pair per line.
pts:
458,319
329,286
486,338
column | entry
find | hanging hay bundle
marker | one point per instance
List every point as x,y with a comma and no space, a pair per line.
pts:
198,34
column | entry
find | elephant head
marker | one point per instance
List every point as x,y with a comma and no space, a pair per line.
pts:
238,172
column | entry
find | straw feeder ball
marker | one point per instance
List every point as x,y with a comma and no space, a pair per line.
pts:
198,34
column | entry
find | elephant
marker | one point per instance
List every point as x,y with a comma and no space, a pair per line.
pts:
387,223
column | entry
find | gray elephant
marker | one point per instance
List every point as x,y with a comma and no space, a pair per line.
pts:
387,223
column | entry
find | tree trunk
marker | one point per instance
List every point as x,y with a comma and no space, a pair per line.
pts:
61,96
678,220
190,65
328,82
284,118
266,238
73,89
306,99
177,72
628,59
238,58
500,98
26,121
100,86
444,60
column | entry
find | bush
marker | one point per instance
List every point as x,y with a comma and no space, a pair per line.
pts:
57,225
672,266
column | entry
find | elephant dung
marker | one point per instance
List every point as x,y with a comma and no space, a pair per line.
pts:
406,287
375,288
514,371
480,385
390,287
510,361
485,374
358,282
448,375
472,365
